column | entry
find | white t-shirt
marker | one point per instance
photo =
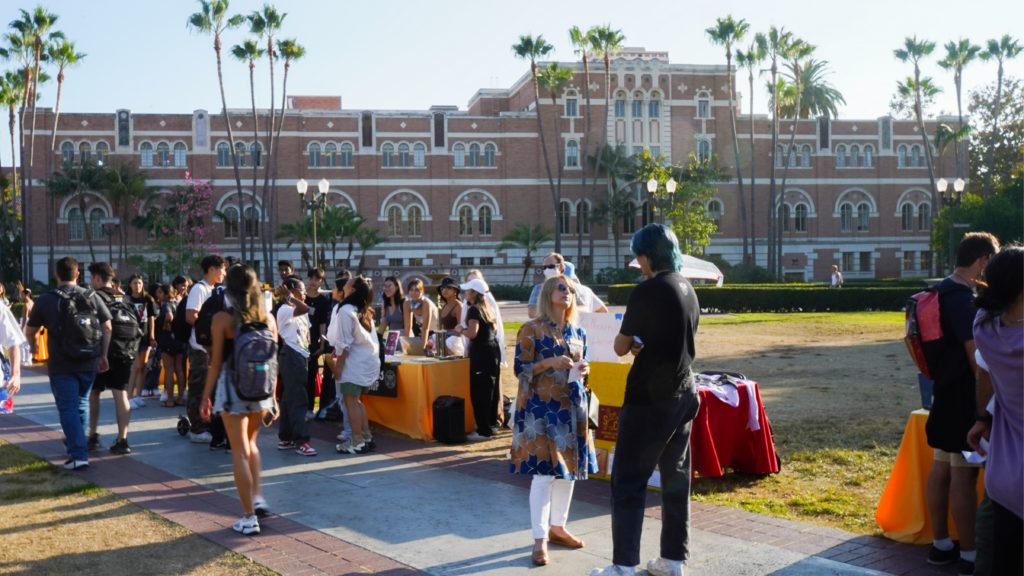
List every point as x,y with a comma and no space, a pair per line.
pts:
10,333
294,330
196,297
362,365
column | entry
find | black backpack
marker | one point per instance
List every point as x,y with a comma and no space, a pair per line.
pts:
78,332
126,332
181,330
204,321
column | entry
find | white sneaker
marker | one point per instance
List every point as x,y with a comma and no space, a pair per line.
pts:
163,396
613,570
309,415
140,402
204,438
474,437
259,506
662,567
247,525
75,464
344,437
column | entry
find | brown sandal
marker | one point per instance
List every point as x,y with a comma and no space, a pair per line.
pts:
540,558
570,542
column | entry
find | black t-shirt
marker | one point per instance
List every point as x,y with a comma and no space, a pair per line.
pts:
145,309
953,407
484,347
663,312
318,316
46,313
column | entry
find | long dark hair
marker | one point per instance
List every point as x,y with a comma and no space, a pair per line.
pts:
243,287
362,299
145,297
483,306
1003,281
399,295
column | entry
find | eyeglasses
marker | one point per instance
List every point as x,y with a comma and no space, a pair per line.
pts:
564,288
551,266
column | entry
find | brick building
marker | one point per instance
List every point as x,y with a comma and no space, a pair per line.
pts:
443,185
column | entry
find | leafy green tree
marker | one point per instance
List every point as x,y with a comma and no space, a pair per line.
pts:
301,232
1001,214
126,188
522,237
1001,50
177,218
958,55
817,96
1006,157
697,183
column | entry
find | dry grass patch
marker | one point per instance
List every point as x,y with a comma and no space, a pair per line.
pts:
55,523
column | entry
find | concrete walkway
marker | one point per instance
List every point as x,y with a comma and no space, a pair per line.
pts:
444,512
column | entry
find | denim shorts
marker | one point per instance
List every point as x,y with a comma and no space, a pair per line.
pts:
226,399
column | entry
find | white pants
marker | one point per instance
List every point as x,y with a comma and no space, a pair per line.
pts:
549,503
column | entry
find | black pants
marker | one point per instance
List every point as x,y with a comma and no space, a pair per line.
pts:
1007,542
658,434
292,367
197,366
327,391
483,393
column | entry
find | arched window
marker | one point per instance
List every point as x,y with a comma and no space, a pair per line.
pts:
703,109
96,223
915,156
230,222
715,213
783,215
800,221
704,151
572,154
394,221
84,152
489,155
571,107
314,155
629,221
346,155
474,155
102,150
646,213
459,153
179,155
583,218
863,212
869,156
76,225
415,221
147,154
854,156
256,154
419,155
805,156
330,155
846,218
485,220
67,152
638,105
907,218
403,155
924,217
163,154
223,154
620,105
564,219
388,155
840,156
902,152
240,153
465,221
252,222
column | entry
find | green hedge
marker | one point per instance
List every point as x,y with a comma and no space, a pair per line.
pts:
730,299
511,292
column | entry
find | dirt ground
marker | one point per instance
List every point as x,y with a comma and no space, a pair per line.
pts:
54,523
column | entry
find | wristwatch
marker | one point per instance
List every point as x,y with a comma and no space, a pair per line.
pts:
986,419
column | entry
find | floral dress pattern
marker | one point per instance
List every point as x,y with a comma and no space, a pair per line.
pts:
550,435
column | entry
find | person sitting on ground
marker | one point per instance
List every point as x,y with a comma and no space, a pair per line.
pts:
242,418
356,351
547,349
171,351
419,311
293,360
484,359
145,309
586,301
999,337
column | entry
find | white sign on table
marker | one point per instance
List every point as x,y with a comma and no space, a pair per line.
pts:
601,330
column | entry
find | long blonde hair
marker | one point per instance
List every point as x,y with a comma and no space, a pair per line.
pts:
246,297
544,308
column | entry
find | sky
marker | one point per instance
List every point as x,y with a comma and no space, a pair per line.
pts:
407,55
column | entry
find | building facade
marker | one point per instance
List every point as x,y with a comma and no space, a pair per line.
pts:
443,185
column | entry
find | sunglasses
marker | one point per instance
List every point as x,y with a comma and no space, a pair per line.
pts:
551,266
564,288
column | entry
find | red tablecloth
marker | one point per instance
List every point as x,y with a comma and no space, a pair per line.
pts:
721,437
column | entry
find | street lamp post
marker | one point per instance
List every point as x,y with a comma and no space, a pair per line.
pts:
109,227
670,188
316,204
952,202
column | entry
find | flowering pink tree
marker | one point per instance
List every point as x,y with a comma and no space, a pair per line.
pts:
180,220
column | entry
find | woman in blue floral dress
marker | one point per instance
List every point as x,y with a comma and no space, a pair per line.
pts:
550,439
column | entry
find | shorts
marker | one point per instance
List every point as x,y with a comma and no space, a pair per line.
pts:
116,378
144,344
350,389
226,398
955,459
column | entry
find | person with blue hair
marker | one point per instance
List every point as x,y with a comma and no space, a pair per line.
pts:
660,403
556,265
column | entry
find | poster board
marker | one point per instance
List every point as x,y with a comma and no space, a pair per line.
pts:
608,381
601,330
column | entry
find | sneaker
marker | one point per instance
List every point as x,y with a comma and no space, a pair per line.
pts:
309,415
321,413
139,403
965,568
201,438
163,396
347,447
285,445
474,437
247,525
93,443
259,506
371,446
613,570
663,567
305,449
343,436
219,444
121,448
75,464
938,557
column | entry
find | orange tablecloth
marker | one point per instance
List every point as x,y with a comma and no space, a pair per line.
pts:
419,384
903,510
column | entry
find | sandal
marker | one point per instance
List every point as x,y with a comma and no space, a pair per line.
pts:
569,542
167,404
540,557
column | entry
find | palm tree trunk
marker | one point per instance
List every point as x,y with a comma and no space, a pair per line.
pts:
255,168
736,154
264,238
27,240
599,149
560,161
927,151
26,94
785,171
12,119
231,140
583,159
991,164
51,205
774,163
544,151
86,225
960,119
277,144
753,184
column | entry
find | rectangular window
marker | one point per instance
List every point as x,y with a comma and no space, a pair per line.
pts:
395,262
908,260
637,150
438,130
570,107
620,108
415,261
465,261
847,262
147,157
926,260
865,261
654,109
638,108
703,109
487,261
655,151
179,156
823,126
367,130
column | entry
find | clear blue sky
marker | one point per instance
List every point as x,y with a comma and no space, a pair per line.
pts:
409,55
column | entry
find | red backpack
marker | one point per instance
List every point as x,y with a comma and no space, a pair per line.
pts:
923,325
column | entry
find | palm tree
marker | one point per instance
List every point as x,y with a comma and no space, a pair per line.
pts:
554,78
913,51
213,19
10,97
817,96
301,232
74,182
291,51
368,238
726,32
249,51
750,60
777,46
126,187
522,237
1000,50
622,171
612,210
798,50
581,42
958,55
341,223
604,42
530,48
62,54
20,49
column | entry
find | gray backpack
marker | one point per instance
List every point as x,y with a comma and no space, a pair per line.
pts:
253,362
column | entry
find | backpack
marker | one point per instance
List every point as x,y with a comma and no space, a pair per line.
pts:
923,326
204,321
78,330
253,362
181,330
125,330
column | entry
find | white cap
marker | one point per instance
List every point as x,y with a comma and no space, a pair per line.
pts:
477,285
